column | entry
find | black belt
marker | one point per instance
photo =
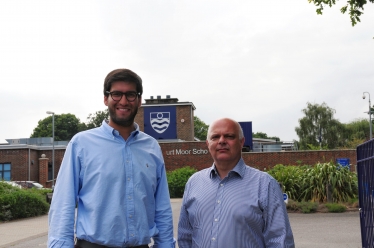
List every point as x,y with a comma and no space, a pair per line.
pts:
81,243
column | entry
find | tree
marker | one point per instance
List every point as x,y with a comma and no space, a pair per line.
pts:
355,133
319,128
355,8
66,126
262,135
200,128
95,120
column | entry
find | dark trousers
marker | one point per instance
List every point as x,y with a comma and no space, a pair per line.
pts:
85,244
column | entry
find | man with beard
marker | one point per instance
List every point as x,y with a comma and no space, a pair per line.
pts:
115,175
231,204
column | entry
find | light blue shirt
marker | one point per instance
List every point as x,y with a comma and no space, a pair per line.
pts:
121,190
243,210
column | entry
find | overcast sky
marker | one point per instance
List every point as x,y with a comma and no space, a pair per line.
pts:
258,61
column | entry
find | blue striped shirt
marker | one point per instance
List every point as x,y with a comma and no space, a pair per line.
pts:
121,189
243,210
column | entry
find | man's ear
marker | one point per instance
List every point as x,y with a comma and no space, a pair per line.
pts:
105,100
140,101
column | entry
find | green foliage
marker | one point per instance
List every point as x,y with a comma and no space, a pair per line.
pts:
318,127
308,183
336,207
200,128
290,177
354,7
315,148
95,120
177,180
355,133
18,203
66,126
262,135
303,206
307,207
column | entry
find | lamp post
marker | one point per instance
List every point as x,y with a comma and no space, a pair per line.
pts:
53,147
363,97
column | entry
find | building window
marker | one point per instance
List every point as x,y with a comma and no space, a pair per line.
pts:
5,171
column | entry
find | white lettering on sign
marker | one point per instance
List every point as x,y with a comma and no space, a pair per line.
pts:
200,151
182,152
187,152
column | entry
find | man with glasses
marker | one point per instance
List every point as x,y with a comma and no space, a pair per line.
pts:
115,175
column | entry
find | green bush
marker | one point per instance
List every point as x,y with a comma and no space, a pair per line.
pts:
177,180
308,183
18,203
335,207
303,206
308,207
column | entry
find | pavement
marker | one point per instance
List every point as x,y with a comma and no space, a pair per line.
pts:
328,230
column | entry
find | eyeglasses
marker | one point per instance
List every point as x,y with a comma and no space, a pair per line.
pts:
117,95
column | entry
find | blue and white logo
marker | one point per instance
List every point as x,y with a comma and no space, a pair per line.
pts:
160,121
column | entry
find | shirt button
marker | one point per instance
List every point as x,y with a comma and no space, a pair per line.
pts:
128,179
132,235
215,220
218,201
221,185
129,197
213,239
130,216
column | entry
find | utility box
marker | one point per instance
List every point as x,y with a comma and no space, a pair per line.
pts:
247,131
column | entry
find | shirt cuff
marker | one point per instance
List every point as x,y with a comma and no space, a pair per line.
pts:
165,245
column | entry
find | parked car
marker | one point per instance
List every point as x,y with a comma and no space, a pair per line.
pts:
13,184
29,184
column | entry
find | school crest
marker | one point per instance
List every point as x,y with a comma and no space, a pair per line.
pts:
160,121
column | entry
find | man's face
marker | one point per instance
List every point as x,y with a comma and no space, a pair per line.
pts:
122,112
224,143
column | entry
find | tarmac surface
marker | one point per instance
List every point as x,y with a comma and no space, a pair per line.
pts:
327,230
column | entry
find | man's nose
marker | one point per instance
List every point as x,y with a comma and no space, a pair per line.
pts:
123,100
222,140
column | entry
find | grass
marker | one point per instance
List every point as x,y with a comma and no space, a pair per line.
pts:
315,207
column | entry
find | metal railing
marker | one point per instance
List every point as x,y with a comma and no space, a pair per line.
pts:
365,174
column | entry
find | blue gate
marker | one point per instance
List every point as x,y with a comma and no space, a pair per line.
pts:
365,174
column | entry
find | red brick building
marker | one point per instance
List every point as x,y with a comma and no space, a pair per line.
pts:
21,161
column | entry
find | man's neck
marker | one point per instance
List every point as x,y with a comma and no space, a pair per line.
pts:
123,131
224,167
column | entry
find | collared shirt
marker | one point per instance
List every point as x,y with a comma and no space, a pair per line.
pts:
243,210
120,188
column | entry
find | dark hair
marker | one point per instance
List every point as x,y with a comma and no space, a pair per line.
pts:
124,75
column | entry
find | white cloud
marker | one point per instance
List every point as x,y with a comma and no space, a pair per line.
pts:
250,61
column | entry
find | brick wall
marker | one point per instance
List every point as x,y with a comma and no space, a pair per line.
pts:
176,155
139,118
185,129
195,154
19,159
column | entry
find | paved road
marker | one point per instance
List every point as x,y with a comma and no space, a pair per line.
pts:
325,230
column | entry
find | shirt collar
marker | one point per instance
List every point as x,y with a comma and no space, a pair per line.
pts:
239,169
105,126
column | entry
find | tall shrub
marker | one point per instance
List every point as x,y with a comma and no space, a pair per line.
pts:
20,203
177,180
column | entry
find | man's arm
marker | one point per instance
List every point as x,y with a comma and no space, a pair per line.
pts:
163,214
184,226
62,211
277,231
